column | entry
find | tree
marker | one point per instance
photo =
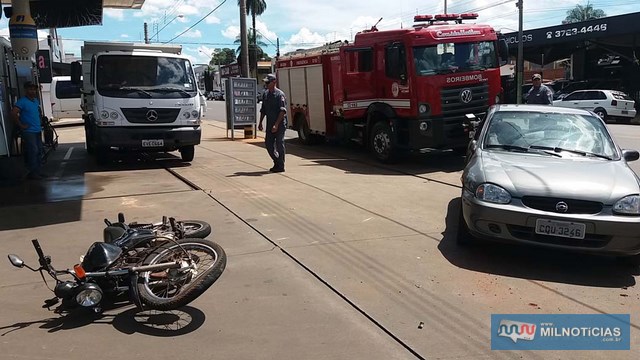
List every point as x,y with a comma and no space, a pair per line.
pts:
222,56
258,53
583,13
254,8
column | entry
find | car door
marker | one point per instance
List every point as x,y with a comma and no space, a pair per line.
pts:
572,100
67,99
593,99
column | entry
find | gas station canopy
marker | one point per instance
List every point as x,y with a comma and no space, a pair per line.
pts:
70,13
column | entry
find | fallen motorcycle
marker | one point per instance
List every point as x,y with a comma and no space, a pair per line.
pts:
168,227
157,272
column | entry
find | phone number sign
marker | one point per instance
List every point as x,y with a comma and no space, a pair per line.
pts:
582,31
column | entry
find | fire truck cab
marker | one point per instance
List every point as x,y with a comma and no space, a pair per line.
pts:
396,90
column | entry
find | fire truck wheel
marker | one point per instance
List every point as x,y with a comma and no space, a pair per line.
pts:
382,144
304,134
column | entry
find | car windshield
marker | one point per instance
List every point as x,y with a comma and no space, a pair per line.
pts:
570,134
454,57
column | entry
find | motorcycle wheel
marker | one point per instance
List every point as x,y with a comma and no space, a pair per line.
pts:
173,288
195,228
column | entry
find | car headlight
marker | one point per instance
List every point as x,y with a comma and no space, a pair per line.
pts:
628,205
89,295
114,115
195,113
493,193
186,115
104,114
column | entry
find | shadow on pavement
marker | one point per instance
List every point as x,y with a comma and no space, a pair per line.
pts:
355,159
533,263
58,198
148,322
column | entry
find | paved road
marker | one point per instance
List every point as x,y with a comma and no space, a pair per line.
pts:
337,258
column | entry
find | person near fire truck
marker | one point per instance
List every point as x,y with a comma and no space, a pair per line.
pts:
274,108
539,93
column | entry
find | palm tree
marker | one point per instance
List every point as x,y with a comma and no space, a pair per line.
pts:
258,44
254,8
583,13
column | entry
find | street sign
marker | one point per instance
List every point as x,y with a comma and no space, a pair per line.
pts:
241,103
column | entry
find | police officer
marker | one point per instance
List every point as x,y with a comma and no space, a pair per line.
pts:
539,93
274,108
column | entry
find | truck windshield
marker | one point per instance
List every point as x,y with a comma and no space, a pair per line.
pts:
144,76
454,57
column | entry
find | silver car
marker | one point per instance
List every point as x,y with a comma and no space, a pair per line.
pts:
548,176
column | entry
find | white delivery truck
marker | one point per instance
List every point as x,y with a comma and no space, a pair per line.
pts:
138,97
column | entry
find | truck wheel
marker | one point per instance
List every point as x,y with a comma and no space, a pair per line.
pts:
102,155
187,153
304,134
381,142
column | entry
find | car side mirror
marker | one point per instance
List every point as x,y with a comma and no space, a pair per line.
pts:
16,261
630,155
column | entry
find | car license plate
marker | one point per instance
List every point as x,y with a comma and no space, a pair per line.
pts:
153,143
560,228
625,111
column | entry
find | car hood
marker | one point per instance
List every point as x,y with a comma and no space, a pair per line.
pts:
569,177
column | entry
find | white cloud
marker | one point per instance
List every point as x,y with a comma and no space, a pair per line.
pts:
191,34
124,36
117,14
231,32
212,20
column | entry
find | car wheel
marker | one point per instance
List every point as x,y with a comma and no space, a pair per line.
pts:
630,260
601,112
463,236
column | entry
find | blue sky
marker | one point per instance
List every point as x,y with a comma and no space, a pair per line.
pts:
303,23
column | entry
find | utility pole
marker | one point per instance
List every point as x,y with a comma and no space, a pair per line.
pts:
244,47
520,60
445,6
146,33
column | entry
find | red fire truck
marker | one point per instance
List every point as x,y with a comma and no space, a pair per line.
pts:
396,90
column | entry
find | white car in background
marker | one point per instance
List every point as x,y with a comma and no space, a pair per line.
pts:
608,104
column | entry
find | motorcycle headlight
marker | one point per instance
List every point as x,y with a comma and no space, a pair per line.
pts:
89,295
493,193
628,205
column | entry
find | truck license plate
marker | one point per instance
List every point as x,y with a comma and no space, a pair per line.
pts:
625,111
560,228
153,143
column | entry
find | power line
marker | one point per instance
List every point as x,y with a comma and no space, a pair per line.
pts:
197,22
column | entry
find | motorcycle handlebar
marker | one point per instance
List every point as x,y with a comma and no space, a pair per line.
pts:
41,258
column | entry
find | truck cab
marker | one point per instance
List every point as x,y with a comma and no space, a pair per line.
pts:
140,98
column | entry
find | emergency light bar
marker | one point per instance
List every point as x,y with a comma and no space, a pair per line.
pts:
445,17
418,18
469,16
